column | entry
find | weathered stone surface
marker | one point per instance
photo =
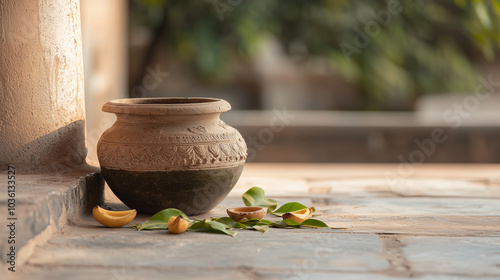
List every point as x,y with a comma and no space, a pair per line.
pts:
416,206
243,272
121,273
407,187
87,244
469,256
47,200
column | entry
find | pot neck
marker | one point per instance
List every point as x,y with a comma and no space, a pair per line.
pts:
168,119
168,106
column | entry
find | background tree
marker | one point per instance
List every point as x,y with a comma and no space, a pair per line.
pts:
420,47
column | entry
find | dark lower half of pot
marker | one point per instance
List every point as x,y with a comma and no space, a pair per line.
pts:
192,191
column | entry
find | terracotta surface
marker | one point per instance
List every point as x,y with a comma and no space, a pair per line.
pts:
166,152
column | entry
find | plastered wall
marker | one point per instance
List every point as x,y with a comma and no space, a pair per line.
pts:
42,117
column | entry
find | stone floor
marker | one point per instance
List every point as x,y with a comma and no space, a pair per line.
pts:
425,222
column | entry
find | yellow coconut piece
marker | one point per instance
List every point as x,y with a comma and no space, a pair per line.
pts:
299,216
110,218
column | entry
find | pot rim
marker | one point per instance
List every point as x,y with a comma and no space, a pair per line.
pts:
167,106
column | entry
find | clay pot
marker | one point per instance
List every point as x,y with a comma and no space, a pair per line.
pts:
170,153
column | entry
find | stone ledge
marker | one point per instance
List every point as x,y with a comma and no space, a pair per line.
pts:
45,203
367,137
361,119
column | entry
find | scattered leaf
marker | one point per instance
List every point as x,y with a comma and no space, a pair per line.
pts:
216,226
261,228
266,222
289,207
211,226
290,222
200,225
313,223
279,224
230,223
255,196
160,219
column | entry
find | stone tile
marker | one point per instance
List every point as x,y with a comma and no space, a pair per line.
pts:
128,273
243,272
461,256
425,216
416,206
417,225
318,275
401,187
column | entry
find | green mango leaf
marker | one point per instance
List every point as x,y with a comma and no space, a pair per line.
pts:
230,223
160,219
290,222
219,227
279,224
289,207
255,196
199,225
254,221
211,226
261,228
265,222
314,223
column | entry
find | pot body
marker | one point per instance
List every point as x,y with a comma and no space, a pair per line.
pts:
170,153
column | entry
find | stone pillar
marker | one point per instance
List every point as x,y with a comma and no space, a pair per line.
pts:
42,116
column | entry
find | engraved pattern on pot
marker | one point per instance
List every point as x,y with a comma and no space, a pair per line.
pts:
178,157
223,124
231,135
197,129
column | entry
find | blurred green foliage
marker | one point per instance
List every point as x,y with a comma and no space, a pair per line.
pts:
425,47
